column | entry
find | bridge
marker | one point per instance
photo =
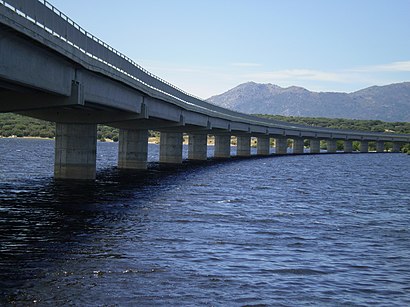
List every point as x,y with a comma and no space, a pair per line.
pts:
52,69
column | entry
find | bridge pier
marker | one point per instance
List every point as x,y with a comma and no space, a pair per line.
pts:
281,145
132,149
170,147
314,146
379,146
396,147
198,147
243,146
348,146
364,146
298,146
222,146
75,151
331,145
263,146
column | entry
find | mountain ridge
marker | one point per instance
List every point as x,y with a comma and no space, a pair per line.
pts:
388,102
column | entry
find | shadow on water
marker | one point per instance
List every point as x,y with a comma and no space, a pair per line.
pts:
46,220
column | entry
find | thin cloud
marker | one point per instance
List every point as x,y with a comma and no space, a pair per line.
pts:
403,66
246,64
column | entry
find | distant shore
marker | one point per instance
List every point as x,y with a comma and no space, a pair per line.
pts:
151,140
25,137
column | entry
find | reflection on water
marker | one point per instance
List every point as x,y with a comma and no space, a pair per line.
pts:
304,230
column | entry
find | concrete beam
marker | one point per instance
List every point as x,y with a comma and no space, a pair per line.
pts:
170,148
263,146
243,146
222,146
33,65
281,145
314,146
13,101
197,147
132,149
292,133
75,151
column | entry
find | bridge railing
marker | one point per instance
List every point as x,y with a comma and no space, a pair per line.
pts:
46,16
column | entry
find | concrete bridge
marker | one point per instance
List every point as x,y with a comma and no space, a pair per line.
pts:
52,69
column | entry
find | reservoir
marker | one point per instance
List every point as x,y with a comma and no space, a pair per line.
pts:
320,230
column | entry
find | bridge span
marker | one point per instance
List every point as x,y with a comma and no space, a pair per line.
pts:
52,69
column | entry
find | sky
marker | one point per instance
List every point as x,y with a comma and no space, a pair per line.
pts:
207,47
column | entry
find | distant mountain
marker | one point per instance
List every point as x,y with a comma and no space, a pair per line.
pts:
387,103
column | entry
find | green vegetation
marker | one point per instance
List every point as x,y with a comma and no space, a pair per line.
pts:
22,126
347,124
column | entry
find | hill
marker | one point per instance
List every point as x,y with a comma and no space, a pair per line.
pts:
387,103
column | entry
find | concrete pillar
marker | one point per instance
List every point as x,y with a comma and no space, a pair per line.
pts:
170,147
396,147
314,145
222,146
281,145
298,146
75,151
133,149
364,146
243,148
348,146
379,146
197,147
263,146
331,145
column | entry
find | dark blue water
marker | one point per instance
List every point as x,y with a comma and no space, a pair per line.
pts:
322,230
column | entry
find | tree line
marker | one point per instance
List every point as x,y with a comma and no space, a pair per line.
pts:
346,124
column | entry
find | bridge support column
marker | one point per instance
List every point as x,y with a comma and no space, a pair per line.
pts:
243,148
197,147
379,146
263,147
396,147
75,151
222,146
132,149
314,146
331,146
364,146
170,147
348,146
298,146
281,145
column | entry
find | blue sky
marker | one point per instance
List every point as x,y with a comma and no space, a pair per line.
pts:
209,46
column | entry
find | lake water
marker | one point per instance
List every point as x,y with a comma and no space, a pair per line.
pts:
322,230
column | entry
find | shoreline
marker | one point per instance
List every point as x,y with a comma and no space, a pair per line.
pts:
26,137
151,140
